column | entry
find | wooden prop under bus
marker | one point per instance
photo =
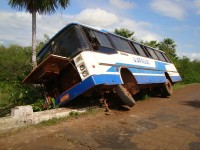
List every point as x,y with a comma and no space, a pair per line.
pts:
46,70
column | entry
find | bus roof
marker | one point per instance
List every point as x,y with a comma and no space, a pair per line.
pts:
94,28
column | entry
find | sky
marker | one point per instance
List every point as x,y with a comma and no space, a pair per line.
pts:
149,19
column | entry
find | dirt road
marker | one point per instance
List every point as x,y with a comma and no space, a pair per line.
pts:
157,123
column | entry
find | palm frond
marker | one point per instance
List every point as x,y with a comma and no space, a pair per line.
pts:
39,6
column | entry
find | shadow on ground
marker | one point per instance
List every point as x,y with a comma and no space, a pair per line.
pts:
192,103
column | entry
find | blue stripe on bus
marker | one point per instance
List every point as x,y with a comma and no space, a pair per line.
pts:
141,79
176,78
135,70
113,68
159,66
108,79
145,79
88,84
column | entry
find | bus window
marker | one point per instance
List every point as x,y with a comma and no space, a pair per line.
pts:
99,41
69,42
103,39
151,51
135,50
146,51
66,43
139,49
168,60
160,56
121,44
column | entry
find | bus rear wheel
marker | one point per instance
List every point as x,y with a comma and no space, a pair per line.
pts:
125,96
167,89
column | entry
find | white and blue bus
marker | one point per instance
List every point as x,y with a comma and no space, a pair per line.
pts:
81,59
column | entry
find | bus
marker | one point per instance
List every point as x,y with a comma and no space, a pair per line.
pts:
83,60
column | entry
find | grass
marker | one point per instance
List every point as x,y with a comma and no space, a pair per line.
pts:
179,85
4,99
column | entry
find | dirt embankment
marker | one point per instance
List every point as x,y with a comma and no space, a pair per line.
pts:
157,123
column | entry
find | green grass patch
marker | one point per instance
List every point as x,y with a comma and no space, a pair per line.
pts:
52,121
181,85
4,99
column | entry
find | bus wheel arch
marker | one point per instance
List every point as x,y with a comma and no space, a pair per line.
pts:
167,88
128,88
130,83
168,77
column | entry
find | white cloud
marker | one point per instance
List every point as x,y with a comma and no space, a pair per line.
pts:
192,56
140,28
170,8
96,17
16,27
102,19
121,4
197,5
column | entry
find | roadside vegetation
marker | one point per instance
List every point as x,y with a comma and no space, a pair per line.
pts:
15,65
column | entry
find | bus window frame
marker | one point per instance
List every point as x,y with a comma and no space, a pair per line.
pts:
146,51
133,44
97,46
159,52
153,51
122,39
166,57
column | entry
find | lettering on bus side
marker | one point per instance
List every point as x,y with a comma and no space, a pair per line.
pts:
141,60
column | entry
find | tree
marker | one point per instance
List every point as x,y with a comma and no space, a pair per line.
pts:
40,7
124,32
153,44
169,47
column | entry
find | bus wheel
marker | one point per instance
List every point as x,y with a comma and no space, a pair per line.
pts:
125,96
167,89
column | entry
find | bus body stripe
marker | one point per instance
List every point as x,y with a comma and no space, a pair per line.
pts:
108,79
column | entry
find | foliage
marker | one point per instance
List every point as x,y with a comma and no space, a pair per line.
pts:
125,33
40,44
73,113
14,67
189,70
169,47
38,105
153,44
41,7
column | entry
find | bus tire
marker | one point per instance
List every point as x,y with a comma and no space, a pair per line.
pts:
125,96
167,89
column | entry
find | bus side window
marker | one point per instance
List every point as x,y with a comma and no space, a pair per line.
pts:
139,49
152,52
134,49
168,60
91,37
121,44
160,56
146,51
98,39
103,39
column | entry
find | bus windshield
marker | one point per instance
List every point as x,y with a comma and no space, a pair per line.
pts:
67,43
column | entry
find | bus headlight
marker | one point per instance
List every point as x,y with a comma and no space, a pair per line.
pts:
82,67
84,73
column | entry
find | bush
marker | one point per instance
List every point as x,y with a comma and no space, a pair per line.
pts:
14,67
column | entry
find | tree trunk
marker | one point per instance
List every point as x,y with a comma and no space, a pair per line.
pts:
34,63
